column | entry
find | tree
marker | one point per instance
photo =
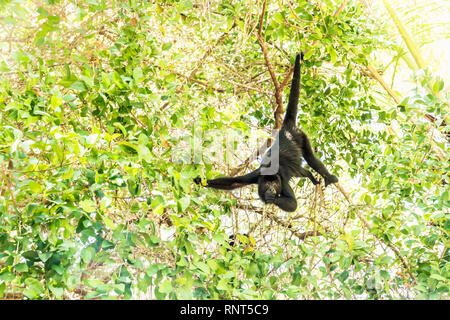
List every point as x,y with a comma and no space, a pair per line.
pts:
110,108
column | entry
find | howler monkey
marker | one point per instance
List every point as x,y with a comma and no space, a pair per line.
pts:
282,161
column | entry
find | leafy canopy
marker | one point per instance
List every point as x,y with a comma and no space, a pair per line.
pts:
97,96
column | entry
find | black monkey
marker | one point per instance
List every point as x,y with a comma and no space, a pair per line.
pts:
282,161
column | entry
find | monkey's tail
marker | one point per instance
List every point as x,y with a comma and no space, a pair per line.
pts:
298,60
291,111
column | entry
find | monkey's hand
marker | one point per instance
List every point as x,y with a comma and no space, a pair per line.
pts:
330,179
198,180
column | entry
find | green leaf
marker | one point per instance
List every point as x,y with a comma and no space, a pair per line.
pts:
21,267
56,101
219,237
138,75
438,277
332,54
34,288
202,266
87,254
108,222
88,206
45,256
166,287
144,153
367,164
58,269
2,289
128,147
152,269
53,19
252,270
167,46
57,291
223,285
35,187
170,78
78,85
308,54
184,293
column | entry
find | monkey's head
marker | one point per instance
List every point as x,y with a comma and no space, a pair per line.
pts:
269,187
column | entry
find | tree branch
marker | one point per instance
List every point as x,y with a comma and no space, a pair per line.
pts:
207,85
368,227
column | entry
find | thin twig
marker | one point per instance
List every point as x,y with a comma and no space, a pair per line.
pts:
209,51
261,18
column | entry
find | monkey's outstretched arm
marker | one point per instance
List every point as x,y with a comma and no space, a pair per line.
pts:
230,183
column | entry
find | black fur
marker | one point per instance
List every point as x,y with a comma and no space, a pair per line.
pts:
292,144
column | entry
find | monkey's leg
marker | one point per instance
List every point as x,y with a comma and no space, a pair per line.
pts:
230,183
315,163
286,200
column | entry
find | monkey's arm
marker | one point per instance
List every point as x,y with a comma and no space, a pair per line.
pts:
315,163
307,174
230,183
291,111
286,200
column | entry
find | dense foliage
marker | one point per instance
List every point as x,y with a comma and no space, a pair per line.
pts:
96,97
